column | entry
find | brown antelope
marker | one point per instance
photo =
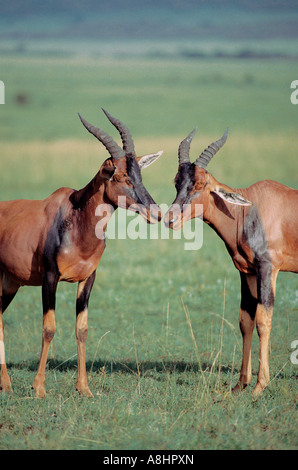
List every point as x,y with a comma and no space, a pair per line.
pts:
259,226
44,242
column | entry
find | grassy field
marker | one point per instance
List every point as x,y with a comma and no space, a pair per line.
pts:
155,97
164,347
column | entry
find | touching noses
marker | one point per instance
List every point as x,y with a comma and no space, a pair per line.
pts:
155,213
170,218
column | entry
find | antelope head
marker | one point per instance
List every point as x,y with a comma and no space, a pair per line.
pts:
121,172
194,185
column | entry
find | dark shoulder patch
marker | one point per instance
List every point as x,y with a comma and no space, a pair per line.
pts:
255,236
54,239
254,233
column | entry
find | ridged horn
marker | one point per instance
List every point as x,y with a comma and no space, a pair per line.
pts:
114,150
183,151
128,144
205,157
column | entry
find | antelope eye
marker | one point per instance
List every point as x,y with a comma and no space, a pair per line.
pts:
120,176
198,185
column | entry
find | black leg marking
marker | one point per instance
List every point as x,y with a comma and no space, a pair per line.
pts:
83,299
264,284
248,302
6,299
49,288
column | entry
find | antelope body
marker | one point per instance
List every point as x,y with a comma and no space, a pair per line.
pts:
52,240
259,226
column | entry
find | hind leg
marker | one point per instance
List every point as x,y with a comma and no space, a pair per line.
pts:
266,296
7,293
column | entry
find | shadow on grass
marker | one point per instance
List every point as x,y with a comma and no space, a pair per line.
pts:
126,366
129,366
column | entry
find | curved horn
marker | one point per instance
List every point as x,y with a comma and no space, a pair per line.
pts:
205,157
128,145
183,151
114,150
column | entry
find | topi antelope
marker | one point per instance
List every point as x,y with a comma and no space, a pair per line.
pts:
44,242
259,226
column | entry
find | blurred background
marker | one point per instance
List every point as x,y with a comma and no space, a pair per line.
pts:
163,67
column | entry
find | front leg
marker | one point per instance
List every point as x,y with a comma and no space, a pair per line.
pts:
49,288
5,383
83,294
7,292
247,322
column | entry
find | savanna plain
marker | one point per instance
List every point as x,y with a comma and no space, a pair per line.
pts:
164,346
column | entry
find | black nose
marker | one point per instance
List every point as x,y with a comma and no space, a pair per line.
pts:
170,220
155,213
156,216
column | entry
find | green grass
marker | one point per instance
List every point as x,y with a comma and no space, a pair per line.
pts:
164,347
155,98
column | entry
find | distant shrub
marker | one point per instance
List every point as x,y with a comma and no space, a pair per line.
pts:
22,99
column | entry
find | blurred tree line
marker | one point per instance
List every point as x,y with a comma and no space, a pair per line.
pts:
24,7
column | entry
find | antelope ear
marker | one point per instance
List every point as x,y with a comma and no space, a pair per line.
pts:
232,198
148,159
107,172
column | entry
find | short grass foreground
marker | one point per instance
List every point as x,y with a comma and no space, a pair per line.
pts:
161,376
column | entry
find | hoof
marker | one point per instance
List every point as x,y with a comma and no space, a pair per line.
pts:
39,390
6,387
259,388
239,387
85,391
